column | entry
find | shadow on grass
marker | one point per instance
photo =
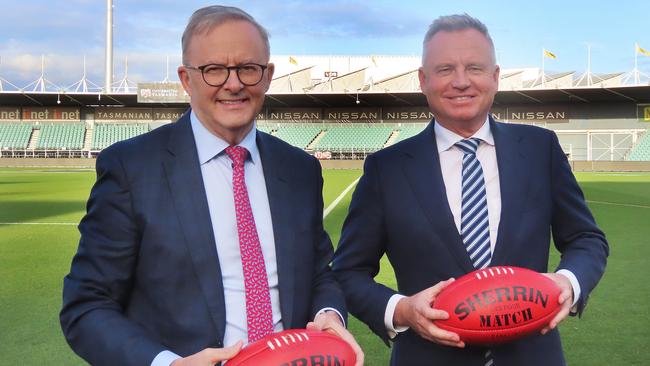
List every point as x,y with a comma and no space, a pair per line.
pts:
633,193
32,211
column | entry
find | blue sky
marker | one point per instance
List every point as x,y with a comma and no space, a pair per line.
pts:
147,31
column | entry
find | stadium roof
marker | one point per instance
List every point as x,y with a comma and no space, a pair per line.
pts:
370,98
364,81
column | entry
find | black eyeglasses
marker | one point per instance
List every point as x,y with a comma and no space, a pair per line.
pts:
217,75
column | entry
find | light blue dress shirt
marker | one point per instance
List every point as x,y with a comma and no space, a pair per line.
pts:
216,169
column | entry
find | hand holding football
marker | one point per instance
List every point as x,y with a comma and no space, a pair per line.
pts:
498,304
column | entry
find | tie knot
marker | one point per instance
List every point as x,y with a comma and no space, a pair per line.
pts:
237,154
469,146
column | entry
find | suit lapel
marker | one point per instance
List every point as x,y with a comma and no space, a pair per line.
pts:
183,171
513,181
276,175
422,169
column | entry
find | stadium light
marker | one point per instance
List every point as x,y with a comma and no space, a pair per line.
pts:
58,99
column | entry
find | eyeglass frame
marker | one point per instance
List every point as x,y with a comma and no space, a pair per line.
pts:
229,68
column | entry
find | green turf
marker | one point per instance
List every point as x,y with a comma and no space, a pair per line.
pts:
34,258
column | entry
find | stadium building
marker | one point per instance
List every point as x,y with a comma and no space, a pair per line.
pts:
338,108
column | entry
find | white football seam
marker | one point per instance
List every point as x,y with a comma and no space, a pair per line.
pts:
284,338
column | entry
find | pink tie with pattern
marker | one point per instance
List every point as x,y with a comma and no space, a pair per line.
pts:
258,300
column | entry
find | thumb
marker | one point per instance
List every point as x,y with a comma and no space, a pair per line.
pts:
226,353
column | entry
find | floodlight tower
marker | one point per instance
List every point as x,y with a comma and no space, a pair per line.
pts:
166,79
587,76
82,85
109,46
41,84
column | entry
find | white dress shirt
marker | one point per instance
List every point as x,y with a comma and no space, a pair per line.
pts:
451,163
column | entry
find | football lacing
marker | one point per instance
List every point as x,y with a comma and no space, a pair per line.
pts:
490,271
287,339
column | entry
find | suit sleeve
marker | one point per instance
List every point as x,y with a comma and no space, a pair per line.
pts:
362,245
327,292
575,233
101,276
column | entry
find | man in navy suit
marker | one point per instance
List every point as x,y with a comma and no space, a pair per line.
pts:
410,206
183,219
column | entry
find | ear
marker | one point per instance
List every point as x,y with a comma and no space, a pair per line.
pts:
184,76
423,78
269,75
497,71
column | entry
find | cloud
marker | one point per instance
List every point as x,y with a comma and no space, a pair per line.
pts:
148,30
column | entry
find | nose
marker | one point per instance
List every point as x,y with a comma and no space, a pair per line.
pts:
232,82
460,80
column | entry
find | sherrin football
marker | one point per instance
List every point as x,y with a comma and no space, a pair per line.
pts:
296,347
498,304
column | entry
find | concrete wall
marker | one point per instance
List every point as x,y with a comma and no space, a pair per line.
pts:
610,166
342,164
581,166
46,163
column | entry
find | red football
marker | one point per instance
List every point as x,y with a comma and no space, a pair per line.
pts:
296,347
498,304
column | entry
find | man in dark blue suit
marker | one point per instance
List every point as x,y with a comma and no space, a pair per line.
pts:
466,193
204,233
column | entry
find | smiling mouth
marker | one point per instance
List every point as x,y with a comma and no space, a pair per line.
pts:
461,98
232,101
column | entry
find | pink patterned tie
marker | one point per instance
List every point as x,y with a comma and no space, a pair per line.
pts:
258,300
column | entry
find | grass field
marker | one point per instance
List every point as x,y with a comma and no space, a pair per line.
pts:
39,210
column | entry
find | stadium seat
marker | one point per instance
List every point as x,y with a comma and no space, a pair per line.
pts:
62,136
355,137
641,151
15,135
106,134
409,130
299,135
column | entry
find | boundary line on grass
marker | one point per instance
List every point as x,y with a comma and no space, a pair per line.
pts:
40,223
338,199
617,204
327,211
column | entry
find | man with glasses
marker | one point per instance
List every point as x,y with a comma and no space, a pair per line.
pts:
205,233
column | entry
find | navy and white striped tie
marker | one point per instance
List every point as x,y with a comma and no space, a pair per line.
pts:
474,223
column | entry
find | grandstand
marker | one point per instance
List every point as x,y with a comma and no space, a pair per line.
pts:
106,134
15,135
340,107
299,135
641,150
409,130
359,137
63,136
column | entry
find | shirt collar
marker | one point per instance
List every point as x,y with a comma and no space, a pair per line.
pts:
209,146
445,138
